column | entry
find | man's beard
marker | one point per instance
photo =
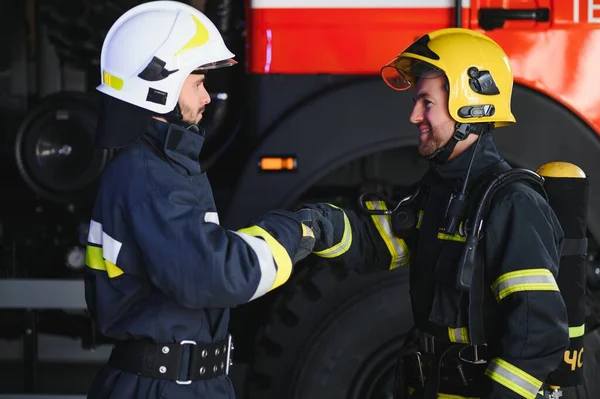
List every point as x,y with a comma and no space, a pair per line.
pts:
428,147
186,115
434,143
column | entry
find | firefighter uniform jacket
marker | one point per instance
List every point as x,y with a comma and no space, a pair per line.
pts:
525,318
161,267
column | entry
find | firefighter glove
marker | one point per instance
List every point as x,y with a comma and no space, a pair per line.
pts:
315,219
307,243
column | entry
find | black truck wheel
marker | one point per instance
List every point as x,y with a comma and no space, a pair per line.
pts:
55,151
332,334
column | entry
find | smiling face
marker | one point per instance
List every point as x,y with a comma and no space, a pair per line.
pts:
430,114
193,98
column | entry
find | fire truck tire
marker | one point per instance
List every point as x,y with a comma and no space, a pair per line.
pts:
332,334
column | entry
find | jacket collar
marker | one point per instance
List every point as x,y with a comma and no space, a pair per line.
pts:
455,170
180,145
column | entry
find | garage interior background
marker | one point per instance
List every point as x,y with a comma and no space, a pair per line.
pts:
48,170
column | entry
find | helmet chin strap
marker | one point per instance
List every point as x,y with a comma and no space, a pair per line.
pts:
176,117
461,132
441,155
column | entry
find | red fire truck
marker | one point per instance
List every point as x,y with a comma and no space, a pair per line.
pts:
307,118
318,99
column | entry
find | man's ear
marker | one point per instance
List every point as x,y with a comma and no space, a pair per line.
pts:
446,84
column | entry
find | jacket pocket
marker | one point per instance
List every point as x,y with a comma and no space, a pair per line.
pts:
450,304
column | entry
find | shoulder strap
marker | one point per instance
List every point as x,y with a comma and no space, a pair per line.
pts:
471,276
479,183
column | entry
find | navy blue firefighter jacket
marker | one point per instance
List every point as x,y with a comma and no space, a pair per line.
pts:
524,313
159,264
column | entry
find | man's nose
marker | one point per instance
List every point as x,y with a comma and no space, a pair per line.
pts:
205,97
416,116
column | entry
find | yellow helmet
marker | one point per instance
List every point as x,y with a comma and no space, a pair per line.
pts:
479,74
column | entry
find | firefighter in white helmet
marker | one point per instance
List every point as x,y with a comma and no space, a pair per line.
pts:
162,273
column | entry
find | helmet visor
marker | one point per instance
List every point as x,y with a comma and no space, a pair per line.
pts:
402,72
214,65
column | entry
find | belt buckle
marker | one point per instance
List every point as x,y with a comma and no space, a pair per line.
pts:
428,343
229,361
188,382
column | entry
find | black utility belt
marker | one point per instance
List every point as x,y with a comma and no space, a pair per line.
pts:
459,365
182,362
429,344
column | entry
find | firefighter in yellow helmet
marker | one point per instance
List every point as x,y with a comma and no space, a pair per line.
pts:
476,81
505,343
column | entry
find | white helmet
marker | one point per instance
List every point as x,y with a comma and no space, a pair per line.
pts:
152,48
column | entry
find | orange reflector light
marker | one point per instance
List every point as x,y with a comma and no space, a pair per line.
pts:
277,163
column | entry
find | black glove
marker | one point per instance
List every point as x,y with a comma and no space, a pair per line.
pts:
320,225
307,242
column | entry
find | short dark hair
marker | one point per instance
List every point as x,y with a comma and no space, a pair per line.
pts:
446,81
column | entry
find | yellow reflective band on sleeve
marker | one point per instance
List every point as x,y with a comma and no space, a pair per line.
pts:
448,396
460,335
456,237
575,332
396,246
102,251
112,81
266,262
513,378
345,243
524,280
95,260
281,256
200,37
